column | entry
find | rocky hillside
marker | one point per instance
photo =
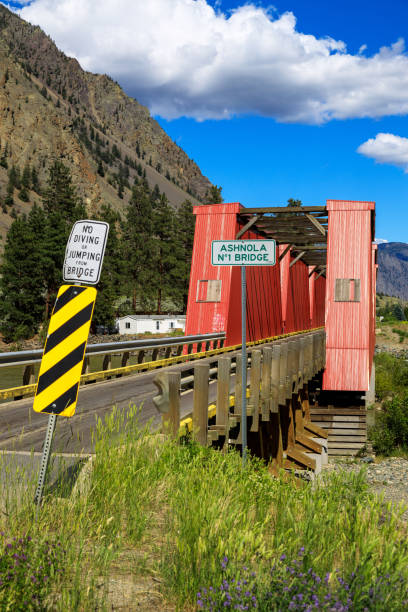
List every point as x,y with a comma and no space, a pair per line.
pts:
50,108
393,269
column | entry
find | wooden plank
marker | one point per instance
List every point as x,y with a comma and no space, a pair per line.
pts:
283,364
223,394
266,382
276,352
277,443
308,443
315,429
298,256
238,384
343,445
253,403
346,428
337,411
284,209
282,255
302,458
316,224
351,418
200,403
247,226
351,439
171,419
351,452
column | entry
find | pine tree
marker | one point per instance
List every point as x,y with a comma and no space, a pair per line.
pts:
62,207
183,246
26,177
163,228
110,284
22,278
138,246
101,171
23,195
214,196
34,180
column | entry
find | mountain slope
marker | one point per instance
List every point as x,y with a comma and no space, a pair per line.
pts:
50,108
393,269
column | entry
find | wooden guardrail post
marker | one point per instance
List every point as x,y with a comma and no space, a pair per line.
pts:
107,362
125,359
292,369
301,370
275,372
28,375
253,404
221,427
283,363
168,401
238,385
171,420
200,403
266,383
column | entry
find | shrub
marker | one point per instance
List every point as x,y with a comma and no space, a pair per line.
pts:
391,428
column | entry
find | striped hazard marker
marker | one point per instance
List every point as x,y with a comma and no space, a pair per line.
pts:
64,351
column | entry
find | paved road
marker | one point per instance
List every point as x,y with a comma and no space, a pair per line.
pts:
22,429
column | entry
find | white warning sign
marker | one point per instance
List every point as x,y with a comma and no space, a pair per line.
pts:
85,251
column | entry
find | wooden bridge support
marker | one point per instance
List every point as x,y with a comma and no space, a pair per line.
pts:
279,424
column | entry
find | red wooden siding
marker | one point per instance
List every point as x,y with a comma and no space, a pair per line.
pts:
349,325
219,222
216,222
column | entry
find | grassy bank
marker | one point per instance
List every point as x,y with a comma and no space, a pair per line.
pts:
186,528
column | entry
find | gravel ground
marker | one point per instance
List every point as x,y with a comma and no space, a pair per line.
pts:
388,477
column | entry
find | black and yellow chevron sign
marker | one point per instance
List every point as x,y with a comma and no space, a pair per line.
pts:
61,364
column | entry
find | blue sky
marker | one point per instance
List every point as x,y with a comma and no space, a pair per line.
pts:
302,99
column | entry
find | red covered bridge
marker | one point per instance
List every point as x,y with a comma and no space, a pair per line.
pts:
325,275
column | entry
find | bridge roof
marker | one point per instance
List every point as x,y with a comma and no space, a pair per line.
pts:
302,228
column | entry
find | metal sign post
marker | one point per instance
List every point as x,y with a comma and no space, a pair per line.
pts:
64,350
243,253
244,366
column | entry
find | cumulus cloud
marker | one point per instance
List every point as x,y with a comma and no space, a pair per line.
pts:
183,58
387,149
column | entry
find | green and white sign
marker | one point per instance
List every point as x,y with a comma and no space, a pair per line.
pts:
243,252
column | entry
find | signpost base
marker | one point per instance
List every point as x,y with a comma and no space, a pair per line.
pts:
52,420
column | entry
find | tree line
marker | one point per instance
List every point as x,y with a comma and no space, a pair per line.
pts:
146,266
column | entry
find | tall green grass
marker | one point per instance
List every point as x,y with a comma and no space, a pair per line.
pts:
181,509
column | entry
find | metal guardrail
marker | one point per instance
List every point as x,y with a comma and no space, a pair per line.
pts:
107,373
152,349
34,356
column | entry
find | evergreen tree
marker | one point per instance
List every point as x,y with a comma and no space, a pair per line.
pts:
214,196
109,287
62,207
163,228
138,246
34,180
101,171
14,177
9,201
26,177
23,195
183,246
22,277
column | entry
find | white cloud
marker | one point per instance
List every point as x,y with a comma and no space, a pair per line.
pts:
387,149
181,57
380,241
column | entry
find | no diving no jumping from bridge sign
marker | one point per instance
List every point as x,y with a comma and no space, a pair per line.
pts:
85,251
